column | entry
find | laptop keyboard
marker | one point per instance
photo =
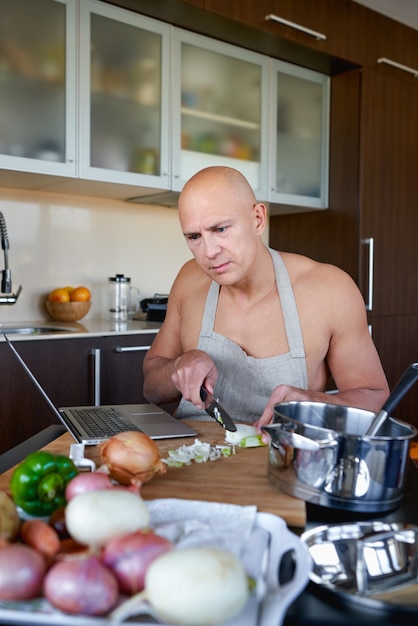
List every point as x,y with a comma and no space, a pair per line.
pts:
102,421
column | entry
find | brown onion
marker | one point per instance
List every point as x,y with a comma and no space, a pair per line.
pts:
132,458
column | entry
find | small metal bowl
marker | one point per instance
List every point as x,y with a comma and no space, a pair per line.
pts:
374,564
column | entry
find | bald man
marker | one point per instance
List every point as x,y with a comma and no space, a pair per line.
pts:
256,326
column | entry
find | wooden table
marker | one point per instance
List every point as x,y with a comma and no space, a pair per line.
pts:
239,479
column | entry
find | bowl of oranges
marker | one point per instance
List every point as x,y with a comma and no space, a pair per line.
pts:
68,304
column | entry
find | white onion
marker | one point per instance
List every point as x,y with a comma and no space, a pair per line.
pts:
95,517
196,586
243,431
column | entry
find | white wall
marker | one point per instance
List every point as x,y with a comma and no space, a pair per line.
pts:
58,239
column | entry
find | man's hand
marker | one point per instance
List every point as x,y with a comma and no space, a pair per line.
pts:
191,370
281,393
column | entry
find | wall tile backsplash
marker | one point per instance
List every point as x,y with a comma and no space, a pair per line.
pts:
57,240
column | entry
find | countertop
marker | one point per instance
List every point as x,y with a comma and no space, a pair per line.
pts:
35,330
239,479
242,479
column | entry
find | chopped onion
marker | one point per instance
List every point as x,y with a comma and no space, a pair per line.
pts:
246,436
131,458
199,452
95,517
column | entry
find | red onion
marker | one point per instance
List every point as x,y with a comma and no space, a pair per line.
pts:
87,481
22,570
132,458
129,556
82,586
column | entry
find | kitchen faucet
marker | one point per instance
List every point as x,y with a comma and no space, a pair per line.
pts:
6,296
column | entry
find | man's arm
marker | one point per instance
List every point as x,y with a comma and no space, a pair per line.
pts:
351,355
170,370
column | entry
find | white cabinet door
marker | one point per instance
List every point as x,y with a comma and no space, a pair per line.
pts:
219,109
38,86
300,136
124,97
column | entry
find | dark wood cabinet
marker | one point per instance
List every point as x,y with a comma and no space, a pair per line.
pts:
374,186
352,32
388,196
76,371
122,379
389,190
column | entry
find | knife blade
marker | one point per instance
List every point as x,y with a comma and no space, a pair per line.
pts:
216,411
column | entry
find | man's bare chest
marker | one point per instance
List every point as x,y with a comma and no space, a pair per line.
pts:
259,330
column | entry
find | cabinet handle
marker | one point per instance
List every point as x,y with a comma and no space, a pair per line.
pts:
132,348
370,242
405,68
275,18
96,374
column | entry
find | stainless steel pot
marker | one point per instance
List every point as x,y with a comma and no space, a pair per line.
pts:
318,452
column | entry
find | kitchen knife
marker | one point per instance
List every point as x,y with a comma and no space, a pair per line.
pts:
215,410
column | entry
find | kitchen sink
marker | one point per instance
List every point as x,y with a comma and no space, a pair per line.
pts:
38,329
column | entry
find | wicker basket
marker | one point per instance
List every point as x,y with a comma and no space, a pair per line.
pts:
67,311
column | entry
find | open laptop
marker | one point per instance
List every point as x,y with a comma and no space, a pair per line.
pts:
93,424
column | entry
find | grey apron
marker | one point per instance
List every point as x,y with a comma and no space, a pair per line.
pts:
245,383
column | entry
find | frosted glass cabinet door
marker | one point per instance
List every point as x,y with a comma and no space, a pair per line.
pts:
37,86
299,174
220,109
124,97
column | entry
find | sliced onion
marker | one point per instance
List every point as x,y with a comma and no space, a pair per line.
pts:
129,557
132,457
82,586
22,571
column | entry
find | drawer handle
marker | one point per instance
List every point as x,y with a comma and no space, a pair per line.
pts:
370,243
405,68
96,374
275,18
132,348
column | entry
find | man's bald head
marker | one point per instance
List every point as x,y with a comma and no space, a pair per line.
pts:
221,183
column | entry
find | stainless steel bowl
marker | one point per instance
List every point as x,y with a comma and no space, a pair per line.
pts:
374,564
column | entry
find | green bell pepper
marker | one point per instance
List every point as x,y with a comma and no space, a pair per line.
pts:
38,483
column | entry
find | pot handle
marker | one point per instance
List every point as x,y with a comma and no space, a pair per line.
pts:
281,436
405,383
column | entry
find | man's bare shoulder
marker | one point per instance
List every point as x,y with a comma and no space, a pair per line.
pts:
190,275
191,286
304,271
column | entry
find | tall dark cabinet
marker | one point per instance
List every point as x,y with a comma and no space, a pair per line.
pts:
372,202
389,215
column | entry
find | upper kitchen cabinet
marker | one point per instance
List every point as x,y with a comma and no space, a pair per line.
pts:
220,108
300,132
38,86
124,97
